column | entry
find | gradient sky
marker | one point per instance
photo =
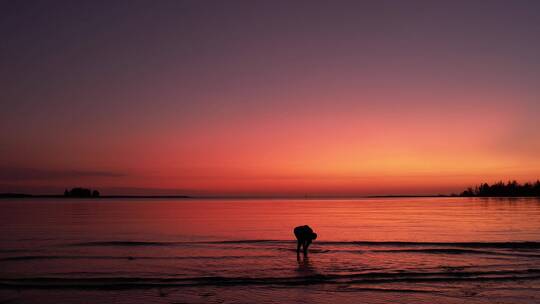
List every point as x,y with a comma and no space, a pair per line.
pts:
268,97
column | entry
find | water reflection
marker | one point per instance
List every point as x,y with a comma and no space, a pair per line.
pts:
305,267
235,248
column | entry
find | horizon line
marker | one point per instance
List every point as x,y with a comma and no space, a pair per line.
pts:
306,196
187,197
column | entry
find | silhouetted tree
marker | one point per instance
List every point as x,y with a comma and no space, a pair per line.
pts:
511,188
81,192
468,192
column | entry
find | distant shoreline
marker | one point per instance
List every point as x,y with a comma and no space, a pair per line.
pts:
23,195
512,189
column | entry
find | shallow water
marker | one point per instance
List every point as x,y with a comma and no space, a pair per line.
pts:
400,250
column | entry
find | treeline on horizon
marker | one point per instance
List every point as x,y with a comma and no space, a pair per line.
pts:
81,192
511,188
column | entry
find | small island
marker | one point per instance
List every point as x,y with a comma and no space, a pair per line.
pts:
81,192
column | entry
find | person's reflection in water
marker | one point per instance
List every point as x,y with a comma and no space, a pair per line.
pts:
304,236
305,268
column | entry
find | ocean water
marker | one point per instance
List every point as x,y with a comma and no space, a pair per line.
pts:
384,250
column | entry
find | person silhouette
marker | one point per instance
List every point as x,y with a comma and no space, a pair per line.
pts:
304,235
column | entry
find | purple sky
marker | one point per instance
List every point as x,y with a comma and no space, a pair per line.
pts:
268,97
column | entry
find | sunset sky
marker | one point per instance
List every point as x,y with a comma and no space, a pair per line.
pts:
268,97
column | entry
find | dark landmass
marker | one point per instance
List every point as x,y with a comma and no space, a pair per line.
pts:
84,193
22,195
81,192
14,195
405,195
500,189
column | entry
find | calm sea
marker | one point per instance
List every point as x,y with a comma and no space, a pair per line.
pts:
384,250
